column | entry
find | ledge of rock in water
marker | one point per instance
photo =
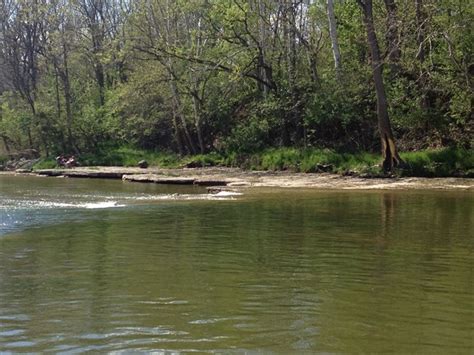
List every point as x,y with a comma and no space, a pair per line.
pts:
157,179
234,177
204,182
161,176
81,174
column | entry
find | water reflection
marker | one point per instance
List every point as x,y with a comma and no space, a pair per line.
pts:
284,272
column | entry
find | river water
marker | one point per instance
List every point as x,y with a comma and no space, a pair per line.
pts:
108,266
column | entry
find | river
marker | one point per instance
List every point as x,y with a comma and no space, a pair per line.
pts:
110,266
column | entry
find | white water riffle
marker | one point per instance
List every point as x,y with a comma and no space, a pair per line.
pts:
84,201
33,208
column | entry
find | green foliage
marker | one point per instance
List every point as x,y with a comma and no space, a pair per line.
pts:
202,160
127,156
428,163
137,112
438,163
3,159
316,160
253,83
304,160
45,163
14,120
336,115
249,136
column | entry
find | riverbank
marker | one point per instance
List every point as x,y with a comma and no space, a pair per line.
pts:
218,178
446,162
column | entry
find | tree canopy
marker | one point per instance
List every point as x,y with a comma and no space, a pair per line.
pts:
194,76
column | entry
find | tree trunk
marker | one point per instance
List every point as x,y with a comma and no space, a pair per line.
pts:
266,84
177,132
5,143
100,78
290,31
36,123
179,113
30,138
333,35
197,123
58,98
98,67
421,55
58,103
313,69
391,159
392,37
291,118
67,99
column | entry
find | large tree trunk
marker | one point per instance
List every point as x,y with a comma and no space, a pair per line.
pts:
389,150
333,35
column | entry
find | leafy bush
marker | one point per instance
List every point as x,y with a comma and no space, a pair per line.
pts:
248,137
128,156
3,159
45,163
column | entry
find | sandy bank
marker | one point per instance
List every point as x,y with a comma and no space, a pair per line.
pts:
225,178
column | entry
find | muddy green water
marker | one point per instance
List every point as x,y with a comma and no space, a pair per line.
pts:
107,266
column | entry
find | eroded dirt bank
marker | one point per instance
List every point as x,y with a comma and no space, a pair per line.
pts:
225,178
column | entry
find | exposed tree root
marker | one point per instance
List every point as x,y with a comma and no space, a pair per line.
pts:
391,159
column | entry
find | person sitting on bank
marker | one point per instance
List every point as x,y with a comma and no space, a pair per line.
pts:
60,160
71,162
66,161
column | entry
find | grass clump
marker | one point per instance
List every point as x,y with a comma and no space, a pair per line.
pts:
203,160
430,163
439,163
307,160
